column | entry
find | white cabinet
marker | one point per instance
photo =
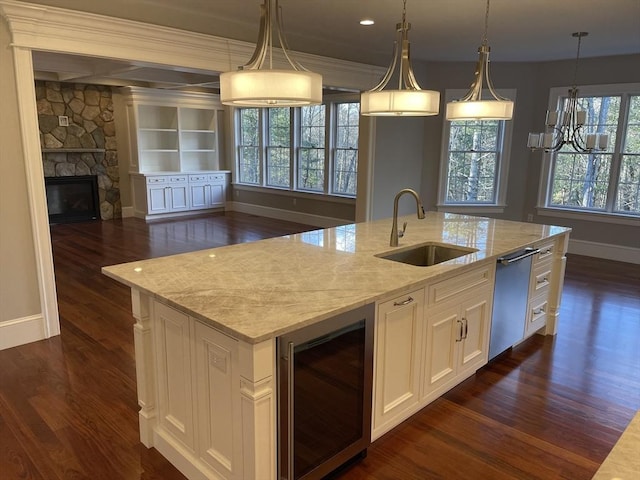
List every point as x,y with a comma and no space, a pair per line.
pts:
207,190
155,195
198,399
172,131
174,375
457,342
539,288
174,151
428,341
167,194
398,346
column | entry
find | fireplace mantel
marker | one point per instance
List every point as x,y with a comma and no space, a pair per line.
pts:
73,150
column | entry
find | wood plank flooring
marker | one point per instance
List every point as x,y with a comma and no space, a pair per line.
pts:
550,408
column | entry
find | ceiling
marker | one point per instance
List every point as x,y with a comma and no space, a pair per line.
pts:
442,30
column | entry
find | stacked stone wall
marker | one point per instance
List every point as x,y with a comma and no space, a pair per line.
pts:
87,145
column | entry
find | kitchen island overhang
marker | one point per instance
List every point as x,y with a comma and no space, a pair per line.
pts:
247,295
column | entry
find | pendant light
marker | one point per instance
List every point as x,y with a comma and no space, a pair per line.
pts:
409,99
567,125
472,106
254,85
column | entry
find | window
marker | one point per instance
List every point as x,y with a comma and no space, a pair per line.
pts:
604,182
278,147
345,162
474,165
311,149
311,161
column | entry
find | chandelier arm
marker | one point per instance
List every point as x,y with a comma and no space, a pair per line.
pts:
283,41
475,91
492,90
389,73
407,75
264,39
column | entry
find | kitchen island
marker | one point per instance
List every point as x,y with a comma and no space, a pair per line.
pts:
207,322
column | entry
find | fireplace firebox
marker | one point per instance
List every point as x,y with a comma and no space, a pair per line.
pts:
72,199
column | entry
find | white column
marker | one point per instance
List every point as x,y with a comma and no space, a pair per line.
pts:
258,398
145,366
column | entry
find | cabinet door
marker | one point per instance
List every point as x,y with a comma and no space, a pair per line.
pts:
444,333
217,195
217,379
174,370
199,195
158,198
397,369
179,198
475,323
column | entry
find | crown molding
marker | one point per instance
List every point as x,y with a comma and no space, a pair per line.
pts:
54,29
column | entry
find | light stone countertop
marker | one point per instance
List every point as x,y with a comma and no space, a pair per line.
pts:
623,462
260,290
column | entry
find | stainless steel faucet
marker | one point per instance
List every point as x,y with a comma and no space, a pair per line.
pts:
395,234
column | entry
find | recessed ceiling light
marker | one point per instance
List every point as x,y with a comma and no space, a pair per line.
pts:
366,22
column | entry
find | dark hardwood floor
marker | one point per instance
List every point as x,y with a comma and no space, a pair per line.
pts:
551,408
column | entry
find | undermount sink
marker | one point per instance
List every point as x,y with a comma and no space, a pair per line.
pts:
427,254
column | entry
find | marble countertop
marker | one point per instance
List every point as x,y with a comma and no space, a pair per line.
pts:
260,290
623,462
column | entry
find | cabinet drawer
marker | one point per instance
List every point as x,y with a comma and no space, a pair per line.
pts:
178,179
536,315
198,178
218,178
156,180
545,254
460,284
540,279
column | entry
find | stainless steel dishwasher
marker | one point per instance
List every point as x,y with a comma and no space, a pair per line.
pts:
510,300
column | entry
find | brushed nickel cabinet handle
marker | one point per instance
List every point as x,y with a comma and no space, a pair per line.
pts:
405,302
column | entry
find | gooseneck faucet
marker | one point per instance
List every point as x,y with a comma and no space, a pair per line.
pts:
395,234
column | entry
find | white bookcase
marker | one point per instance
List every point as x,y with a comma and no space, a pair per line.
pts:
174,151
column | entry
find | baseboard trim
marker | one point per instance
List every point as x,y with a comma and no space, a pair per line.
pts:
288,215
607,251
127,212
21,331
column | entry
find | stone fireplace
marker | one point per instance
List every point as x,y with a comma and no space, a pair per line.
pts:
77,136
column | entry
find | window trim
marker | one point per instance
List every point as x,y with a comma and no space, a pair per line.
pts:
544,187
502,175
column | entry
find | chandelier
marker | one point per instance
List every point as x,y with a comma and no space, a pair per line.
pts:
472,106
408,99
254,85
567,126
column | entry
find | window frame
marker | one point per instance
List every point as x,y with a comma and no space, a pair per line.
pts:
502,167
295,142
608,214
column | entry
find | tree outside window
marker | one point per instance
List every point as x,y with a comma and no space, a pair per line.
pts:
474,163
473,159
311,164
249,164
278,147
606,181
315,146
345,164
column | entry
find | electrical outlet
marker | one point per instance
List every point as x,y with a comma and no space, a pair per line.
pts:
530,217
295,202
63,121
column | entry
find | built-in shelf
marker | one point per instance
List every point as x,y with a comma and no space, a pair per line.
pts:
73,150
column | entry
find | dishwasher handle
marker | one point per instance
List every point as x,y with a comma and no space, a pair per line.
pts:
527,252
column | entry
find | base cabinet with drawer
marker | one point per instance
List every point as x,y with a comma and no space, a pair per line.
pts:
398,353
542,276
207,190
155,195
427,341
